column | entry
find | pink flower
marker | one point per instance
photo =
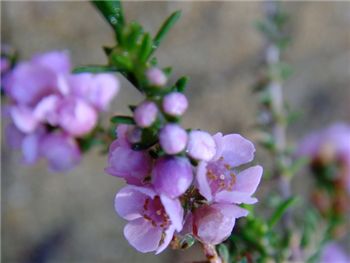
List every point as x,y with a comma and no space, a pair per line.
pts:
32,80
61,151
124,162
145,114
172,176
219,180
98,89
201,145
76,116
172,138
23,118
156,77
175,104
152,218
332,252
213,224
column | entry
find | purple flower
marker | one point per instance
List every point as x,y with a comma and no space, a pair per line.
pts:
76,116
213,224
32,80
124,162
14,136
61,151
332,252
172,176
31,145
201,145
156,77
57,61
145,114
98,89
23,118
47,110
219,181
175,104
152,218
330,146
172,138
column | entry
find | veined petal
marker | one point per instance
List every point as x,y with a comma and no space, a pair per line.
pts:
142,235
248,180
202,181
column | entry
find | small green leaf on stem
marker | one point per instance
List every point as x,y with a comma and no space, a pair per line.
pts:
112,11
167,25
280,210
180,85
123,120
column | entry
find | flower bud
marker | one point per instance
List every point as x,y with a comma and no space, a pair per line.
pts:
173,138
156,77
175,104
145,114
201,145
172,176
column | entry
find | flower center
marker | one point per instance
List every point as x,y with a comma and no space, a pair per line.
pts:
153,211
220,176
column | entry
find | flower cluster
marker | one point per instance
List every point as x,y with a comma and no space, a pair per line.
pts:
180,182
50,109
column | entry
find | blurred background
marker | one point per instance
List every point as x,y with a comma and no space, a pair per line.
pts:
70,217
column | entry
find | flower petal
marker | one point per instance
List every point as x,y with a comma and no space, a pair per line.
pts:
169,233
202,181
174,210
234,197
128,203
230,210
248,180
24,119
142,235
237,150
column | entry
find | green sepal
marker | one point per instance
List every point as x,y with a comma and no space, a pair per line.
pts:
180,84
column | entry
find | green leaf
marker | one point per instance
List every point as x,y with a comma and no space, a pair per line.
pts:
180,85
121,62
146,47
112,11
94,69
123,120
134,35
167,25
280,210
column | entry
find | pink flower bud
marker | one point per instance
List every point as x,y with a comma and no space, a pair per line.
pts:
175,104
172,176
201,145
156,77
145,114
173,138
